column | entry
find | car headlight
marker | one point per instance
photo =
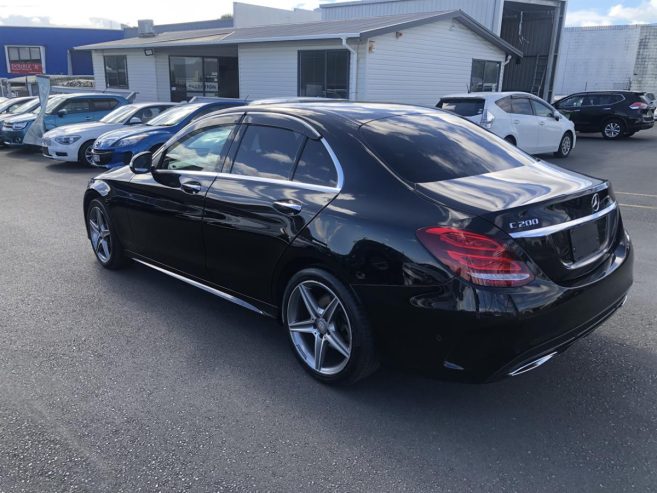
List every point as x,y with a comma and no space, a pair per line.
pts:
128,141
19,126
67,139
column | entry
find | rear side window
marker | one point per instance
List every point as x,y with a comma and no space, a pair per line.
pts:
267,152
606,99
521,106
428,148
103,104
505,104
316,166
463,106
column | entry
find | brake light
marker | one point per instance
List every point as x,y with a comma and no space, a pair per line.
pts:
476,258
487,119
638,106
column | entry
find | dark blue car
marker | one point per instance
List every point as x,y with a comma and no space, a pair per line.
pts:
117,147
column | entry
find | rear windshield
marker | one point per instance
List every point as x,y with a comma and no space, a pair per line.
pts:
463,106
425,148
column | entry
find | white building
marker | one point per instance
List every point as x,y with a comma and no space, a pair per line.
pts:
410,58
607,57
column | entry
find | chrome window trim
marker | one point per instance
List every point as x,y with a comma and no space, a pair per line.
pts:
204,287
549,230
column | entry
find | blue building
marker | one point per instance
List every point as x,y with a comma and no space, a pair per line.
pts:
48,50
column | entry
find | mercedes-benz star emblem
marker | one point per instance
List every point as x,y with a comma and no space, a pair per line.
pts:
595,202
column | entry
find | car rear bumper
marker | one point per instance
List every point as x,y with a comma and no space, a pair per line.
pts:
482,335
637,125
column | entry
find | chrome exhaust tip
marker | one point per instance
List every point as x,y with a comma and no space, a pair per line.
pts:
532,365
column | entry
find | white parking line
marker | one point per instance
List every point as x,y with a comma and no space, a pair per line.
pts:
639,206
638,194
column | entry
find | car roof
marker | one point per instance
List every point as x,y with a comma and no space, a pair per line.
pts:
488,95
153,103
320,112
88,95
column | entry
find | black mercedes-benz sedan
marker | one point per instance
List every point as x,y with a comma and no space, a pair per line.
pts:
374,233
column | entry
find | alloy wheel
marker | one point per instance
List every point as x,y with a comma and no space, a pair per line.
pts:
566,145
319,327
89,156
612,130
101,240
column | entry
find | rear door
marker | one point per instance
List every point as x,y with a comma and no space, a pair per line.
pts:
275,181
550,131
524,124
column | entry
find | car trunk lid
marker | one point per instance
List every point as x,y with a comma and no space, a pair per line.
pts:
566,222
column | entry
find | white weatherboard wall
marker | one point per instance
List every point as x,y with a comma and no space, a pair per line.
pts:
424,63
270,70
141,73
596,58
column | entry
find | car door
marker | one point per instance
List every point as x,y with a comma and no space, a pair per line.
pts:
550,131
167,204
571,108
73,110
524,124
275,181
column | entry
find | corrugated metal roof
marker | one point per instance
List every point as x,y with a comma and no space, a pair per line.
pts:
352,28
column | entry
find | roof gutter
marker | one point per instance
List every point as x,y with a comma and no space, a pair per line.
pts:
353,69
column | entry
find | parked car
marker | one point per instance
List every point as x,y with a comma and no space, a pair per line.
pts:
10,106
29,106
116,148
616,114
373,231
520,118
62,109
73,142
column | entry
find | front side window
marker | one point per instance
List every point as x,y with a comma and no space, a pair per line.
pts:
116,71
267,152
541,109
324,73
199,151
76,106
25,59
485,76
147,114
315,166
571,102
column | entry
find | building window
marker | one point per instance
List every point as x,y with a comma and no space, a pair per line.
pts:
485,76
25,59
324,73
116,71
203,76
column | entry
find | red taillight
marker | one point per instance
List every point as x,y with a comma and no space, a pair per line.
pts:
474,257
638,106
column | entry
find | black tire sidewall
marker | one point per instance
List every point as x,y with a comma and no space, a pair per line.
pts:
363,359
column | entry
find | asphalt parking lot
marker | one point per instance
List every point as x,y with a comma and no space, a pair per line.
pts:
132,381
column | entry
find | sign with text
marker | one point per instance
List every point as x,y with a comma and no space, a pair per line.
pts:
26,68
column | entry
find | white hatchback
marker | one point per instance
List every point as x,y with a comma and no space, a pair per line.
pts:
518,117
73,142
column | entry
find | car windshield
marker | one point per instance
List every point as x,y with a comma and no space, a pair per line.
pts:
174,115
53,102
24,108
119,114
427,148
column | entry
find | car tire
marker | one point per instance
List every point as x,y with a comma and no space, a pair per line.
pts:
613,129
511,140
336,347
565,146
104,240
84,154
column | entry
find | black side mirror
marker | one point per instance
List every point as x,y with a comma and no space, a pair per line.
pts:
142,163
61,113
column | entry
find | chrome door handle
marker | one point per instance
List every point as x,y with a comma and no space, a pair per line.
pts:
288,206
192,187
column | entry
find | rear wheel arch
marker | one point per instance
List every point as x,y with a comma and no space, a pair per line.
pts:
511,140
